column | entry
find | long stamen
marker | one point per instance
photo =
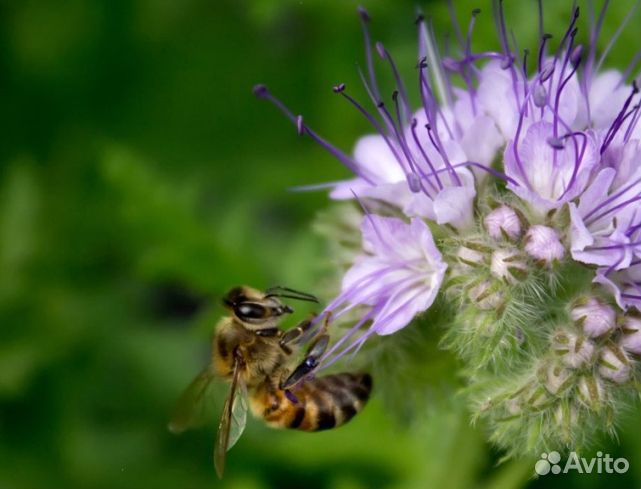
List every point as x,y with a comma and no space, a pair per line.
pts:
368,51
540,17
415,183
619,119
615,37
499,17
633,122
340,89
425,157
261,91
428,107
455,23
611,199
617,207
399,81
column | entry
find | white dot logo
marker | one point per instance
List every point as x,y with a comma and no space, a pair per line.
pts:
548,463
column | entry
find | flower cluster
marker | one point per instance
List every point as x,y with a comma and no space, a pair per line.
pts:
514,193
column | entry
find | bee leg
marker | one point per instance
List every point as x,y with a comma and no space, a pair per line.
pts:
310,362
294,334
311,334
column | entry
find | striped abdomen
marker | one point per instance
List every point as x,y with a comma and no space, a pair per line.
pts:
322,403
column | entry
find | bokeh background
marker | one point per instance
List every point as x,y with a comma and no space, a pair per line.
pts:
140,178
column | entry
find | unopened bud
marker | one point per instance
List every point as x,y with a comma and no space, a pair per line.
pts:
575,351
613,365
486,295
595,317
503,222
591,392
542,243
469,258
557,378
506,265
631,337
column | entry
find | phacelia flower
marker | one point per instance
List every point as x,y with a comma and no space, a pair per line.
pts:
398,276
515,178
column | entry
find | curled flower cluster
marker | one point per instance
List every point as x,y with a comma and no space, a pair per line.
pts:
513,194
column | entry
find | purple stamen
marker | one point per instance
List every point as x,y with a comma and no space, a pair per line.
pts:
263,92
427,160
508,63
399,81
620,246
374,123
455,23
365,18
611,199
544,40
619,119
540,12
563,81
616,35
431,108
578,158
633,122
616,208
631,65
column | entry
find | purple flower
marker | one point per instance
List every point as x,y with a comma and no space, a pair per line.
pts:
558,133
606,222
382,177
397,277
547,174
625,285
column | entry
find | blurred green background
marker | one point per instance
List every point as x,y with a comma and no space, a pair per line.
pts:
139,180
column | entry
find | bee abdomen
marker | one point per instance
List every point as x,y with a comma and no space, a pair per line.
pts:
322,403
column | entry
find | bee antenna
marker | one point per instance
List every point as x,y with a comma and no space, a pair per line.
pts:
297,297
286,292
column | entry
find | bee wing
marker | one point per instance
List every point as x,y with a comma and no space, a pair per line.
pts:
232,423
190,410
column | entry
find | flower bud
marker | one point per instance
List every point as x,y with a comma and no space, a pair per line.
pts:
566,416
486,295
614,365
506,265
503,222
595,317
469,258
513,407
576,351
542,243
631,338
537,398
557,378
591,392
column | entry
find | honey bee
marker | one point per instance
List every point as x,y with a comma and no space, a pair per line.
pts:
253,355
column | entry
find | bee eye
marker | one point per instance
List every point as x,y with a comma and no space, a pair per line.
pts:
250,310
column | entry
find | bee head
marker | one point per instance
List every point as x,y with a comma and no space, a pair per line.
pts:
254,308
